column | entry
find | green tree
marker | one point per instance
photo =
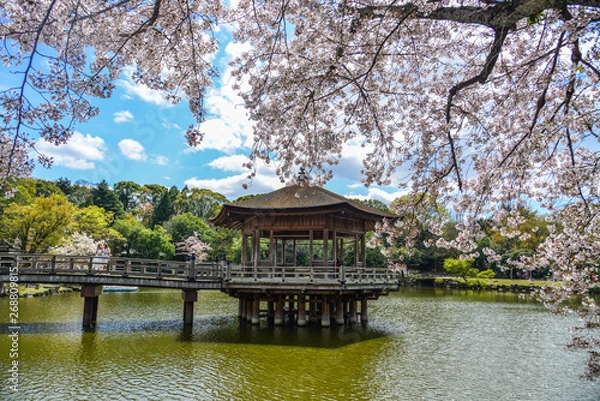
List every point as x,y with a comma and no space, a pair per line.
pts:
27,189
223,242
153,193
130,229
460,268
106,198
96,223
203,203
36,227
165,209
130,194
184,225
79,195
375,204
416,247
155,244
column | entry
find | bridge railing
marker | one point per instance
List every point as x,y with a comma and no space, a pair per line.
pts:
177,270
113,267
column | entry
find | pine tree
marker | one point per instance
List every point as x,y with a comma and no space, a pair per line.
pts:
106,198
165,208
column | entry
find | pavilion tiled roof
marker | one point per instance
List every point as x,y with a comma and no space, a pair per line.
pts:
302,197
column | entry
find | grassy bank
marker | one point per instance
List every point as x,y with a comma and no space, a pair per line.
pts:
499,284
42,290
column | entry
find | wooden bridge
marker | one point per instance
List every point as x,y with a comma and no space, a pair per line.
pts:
250,284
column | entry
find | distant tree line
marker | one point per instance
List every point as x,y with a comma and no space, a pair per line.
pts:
135,220
149,221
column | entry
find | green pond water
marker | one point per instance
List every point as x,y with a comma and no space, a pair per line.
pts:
419,344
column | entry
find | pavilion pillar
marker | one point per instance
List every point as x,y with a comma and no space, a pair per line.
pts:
310,247
334,243
90,294
272,249
244,249
278,321
356,250
256,247
325,317
295,253
339,311
325,247
240,307
189,297
255,311
301,310
364,317
363,250
352,313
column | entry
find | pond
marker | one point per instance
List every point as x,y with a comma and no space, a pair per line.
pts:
419,344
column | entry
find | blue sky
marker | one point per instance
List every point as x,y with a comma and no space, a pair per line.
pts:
138,136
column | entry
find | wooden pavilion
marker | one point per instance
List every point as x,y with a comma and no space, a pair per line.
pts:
293,245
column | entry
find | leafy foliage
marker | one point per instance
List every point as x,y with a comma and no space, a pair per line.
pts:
460,268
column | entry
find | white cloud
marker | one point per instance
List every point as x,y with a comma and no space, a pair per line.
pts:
232,186
141,91
220,135
227,128
78,153
235,49
170,125
123,116
161,160
233,163
132,149
379,194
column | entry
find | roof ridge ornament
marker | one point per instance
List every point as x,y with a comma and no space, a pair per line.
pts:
302,178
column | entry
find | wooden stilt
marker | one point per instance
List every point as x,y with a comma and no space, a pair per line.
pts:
339,311
364,316
256,311
90,295
278,312
352,313
270,310
249,309
325,318
189,297
301,311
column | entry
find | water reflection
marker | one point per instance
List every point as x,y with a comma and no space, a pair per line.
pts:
418,345
233,331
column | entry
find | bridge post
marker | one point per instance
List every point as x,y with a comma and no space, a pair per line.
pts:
189,297
90,293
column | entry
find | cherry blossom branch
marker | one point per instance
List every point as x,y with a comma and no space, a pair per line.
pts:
28,68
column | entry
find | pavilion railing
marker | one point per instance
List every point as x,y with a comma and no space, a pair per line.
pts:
288,273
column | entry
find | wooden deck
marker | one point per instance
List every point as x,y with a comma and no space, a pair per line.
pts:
311,292
68,269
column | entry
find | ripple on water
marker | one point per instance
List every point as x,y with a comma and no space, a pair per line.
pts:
417,346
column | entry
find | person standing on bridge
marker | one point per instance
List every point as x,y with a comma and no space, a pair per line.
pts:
105,255
97,261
